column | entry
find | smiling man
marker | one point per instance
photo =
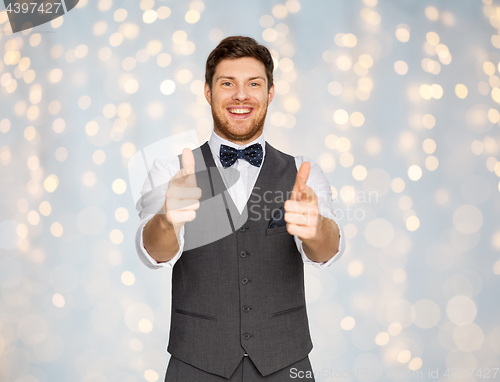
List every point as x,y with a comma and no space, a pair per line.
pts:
239,95
238,301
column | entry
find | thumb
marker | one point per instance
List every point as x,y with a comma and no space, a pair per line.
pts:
188,164
188,161
301,180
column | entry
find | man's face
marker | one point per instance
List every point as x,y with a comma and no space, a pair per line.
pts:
239,99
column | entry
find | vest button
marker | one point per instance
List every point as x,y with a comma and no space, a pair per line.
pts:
243,254
244,280
246,336
242,229
246,308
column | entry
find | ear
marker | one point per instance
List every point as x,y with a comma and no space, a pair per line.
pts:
271,94
208,94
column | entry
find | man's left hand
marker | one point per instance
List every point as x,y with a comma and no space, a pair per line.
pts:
302,211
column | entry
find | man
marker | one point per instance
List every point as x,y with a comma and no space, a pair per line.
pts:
238,300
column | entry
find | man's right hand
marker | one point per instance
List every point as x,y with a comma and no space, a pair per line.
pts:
182,198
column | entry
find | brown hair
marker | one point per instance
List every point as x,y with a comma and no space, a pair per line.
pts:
238,47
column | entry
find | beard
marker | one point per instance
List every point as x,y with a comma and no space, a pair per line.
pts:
225,130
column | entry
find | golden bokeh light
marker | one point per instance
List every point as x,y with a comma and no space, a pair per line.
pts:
341,117
292,104
167,87
269,34
149,16
51,183
91,128
151,375
359,172
432,13
401,67
414,172
344,63
461,91
403,33
429,121
154,47
382,338
477,147
412,223
394,329
121,214
58,300
146,4
398,185
192,16
489,68
365,60
286,65
415,364
493,116
145,326
89,178
432,38
346,159
128,278
119,186
357,119
373,18
163,12
429,146
280,11
399,276
45,208
116,236
56,229
404,356
343,144
349,40
120,15
348,323
431,163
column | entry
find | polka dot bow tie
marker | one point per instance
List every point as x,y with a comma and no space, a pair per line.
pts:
252,154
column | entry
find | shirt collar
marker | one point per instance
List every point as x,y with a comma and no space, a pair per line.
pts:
215,141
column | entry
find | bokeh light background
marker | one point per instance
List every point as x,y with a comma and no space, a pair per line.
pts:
398,101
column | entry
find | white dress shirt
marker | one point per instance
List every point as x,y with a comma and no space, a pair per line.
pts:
240,191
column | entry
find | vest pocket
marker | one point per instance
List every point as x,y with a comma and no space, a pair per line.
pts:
274,231
287,311
197,315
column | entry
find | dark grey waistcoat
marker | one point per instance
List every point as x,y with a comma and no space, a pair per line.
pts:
239,286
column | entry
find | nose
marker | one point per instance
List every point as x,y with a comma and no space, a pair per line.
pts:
240,94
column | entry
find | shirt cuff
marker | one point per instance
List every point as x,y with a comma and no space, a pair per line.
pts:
335,257
146,257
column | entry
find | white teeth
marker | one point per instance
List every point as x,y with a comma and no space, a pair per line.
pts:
240,111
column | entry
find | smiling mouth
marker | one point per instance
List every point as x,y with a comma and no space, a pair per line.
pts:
240,111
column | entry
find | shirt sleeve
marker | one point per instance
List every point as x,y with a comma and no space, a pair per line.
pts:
321,187
152,201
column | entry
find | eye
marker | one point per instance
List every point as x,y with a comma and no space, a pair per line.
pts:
255,84
226,83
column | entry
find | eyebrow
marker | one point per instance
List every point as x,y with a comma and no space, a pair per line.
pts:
233,78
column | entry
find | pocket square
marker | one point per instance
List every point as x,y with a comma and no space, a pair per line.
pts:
278,219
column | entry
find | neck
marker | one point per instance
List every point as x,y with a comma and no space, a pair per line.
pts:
239,140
